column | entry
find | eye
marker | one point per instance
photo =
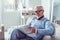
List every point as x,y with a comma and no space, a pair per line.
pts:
38,11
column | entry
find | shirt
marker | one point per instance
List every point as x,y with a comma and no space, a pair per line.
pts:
43,28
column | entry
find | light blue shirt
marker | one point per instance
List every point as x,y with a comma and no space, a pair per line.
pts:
44,28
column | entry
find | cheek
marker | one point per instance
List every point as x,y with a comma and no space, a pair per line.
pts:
40,13
37,14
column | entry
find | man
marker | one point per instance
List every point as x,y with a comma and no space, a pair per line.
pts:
39,25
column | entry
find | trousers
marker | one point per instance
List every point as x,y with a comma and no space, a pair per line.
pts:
19,35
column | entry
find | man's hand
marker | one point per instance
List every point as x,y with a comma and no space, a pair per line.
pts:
32,29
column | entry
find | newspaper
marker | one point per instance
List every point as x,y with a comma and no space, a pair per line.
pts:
25,30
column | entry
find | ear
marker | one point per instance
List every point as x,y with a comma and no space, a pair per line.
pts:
43,11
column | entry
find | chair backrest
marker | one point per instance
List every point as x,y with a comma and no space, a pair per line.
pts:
54,28
53,35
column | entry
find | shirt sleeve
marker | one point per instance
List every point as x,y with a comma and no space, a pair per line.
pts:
48,29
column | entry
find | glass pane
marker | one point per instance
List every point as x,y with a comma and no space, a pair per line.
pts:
56,11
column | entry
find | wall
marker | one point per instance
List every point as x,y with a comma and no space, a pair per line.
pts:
11,18
46,4
0,12
33,3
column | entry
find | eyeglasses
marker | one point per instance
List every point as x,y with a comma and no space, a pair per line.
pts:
38,11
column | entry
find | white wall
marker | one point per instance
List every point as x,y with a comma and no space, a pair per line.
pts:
33,3
47,4
0,11
11,18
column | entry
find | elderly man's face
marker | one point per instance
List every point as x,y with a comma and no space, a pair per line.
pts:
39,11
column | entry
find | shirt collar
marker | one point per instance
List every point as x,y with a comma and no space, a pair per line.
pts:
40,18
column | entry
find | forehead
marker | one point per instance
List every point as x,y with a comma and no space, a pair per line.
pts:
38,8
